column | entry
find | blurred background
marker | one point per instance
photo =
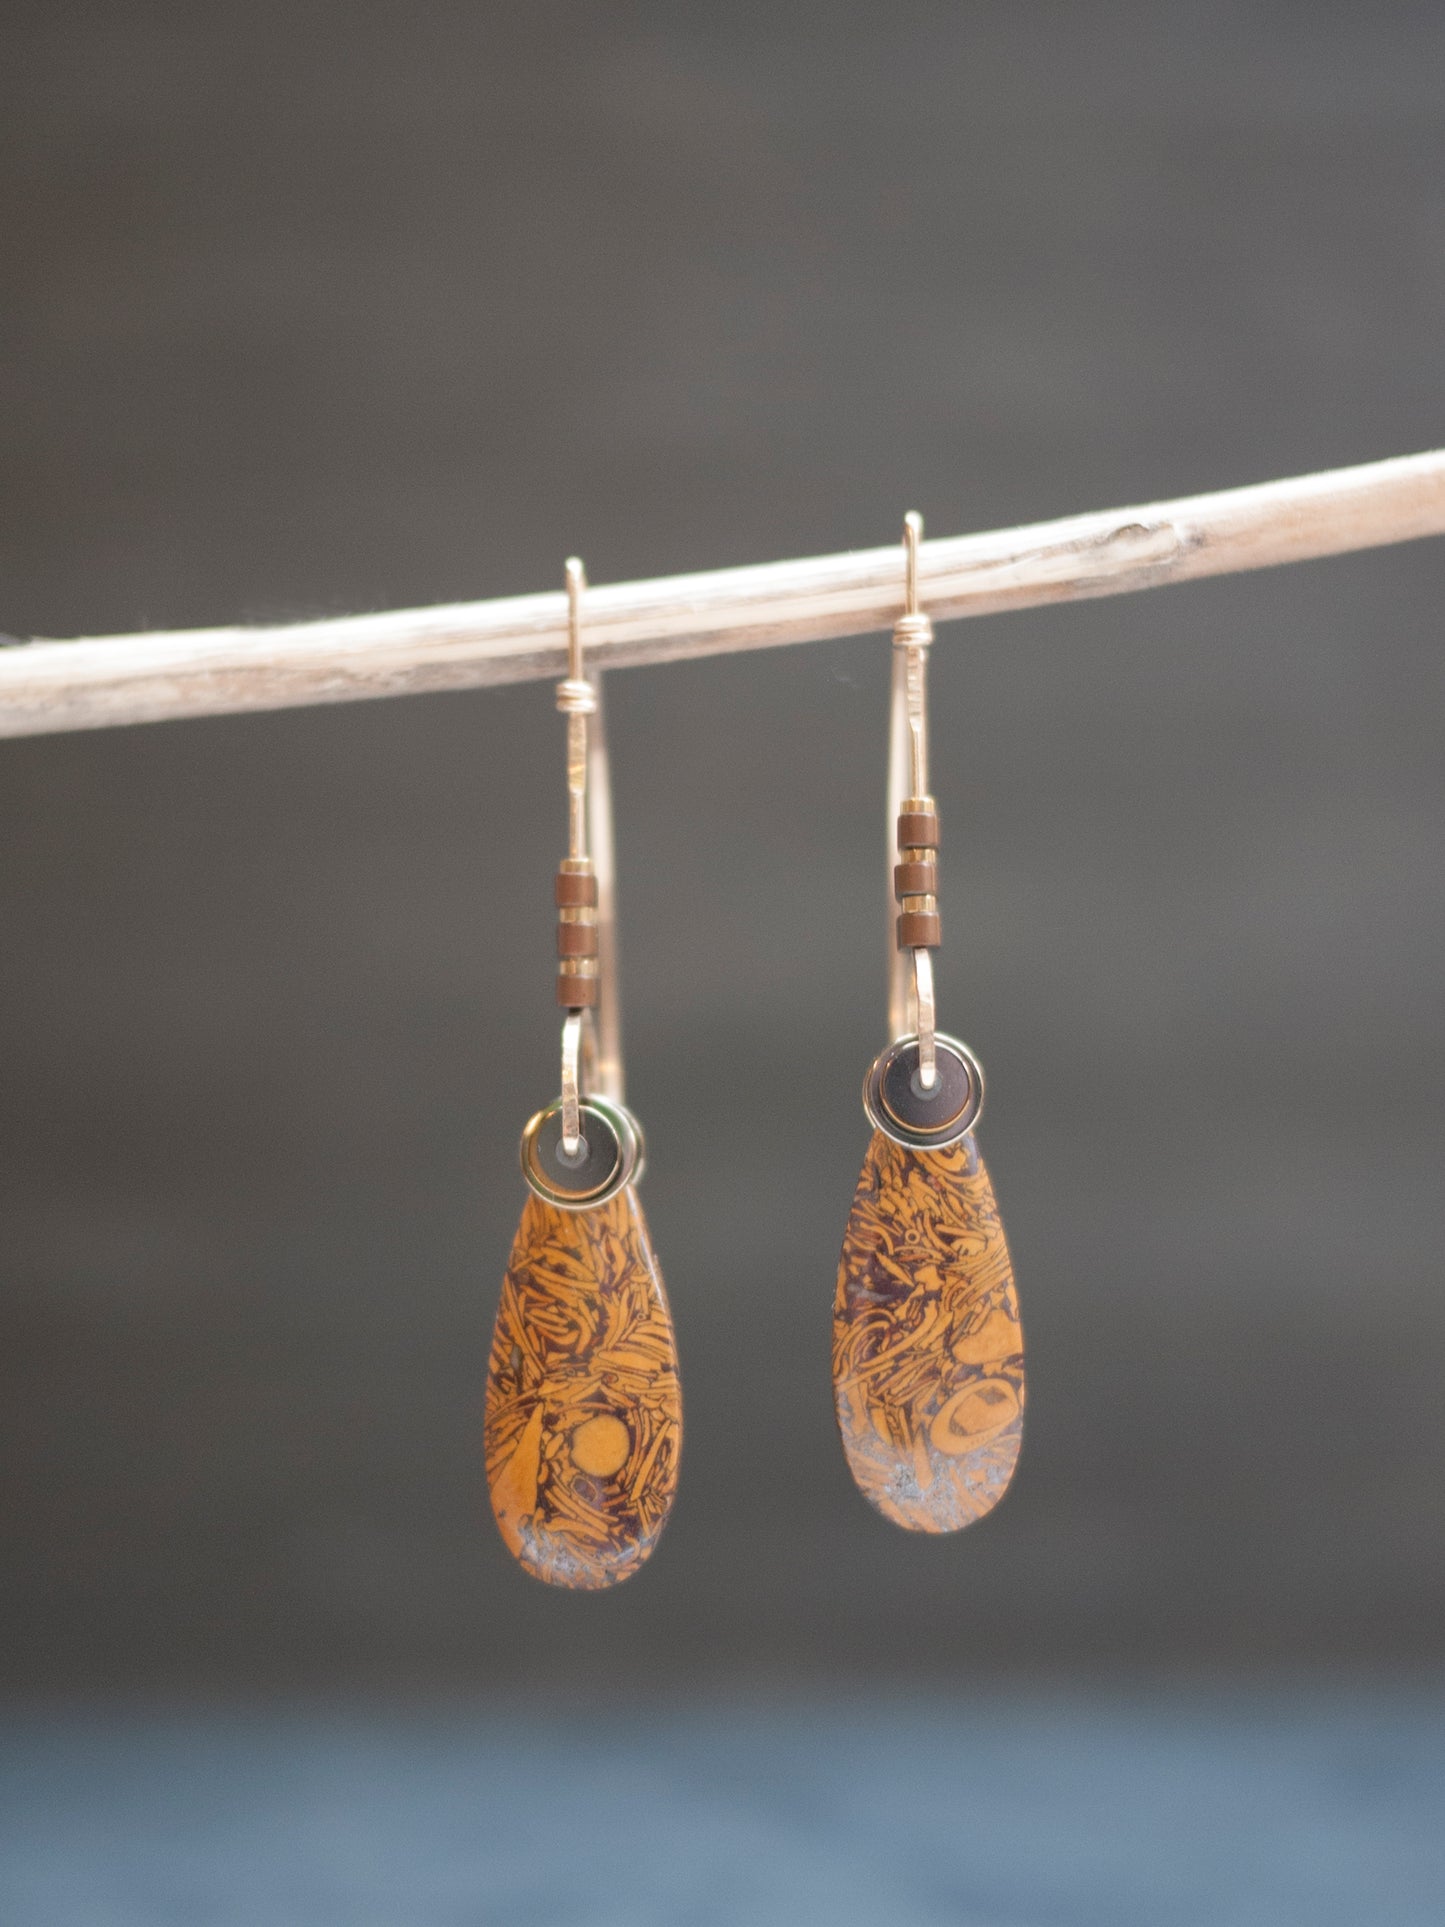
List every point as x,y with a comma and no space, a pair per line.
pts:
312,310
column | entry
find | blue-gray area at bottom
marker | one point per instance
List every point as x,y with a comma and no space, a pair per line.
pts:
1229,1808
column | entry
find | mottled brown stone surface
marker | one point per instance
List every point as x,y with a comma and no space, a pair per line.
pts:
584,1411
928,1369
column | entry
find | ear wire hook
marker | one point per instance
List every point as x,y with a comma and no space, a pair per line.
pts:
577,975
910,979
587,975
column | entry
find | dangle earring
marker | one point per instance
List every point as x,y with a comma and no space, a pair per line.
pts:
583,1410
928,1369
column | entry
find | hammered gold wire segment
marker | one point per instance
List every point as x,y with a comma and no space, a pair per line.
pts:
911,998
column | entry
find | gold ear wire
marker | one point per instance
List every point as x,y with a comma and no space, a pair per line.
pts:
578,941
911,810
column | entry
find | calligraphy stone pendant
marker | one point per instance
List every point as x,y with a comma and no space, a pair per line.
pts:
928,1370
583,1407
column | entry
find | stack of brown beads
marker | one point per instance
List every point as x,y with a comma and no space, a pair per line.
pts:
915,875
577,987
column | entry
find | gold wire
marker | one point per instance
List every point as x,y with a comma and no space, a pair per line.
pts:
591,1050
910,1003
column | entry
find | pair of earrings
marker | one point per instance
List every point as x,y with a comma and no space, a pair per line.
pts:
583,1407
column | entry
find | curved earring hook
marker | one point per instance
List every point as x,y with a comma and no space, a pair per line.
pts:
591,1055
606,1077
899,778
910,969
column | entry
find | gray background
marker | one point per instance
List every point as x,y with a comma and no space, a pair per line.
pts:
312,309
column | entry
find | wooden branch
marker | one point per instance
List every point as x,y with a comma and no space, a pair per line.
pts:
95,682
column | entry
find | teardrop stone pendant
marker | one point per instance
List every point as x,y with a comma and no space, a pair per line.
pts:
928,1369
584,1410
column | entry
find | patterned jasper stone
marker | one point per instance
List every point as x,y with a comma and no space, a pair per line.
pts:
928,1368
584,1411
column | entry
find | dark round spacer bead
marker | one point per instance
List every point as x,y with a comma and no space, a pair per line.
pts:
918,830
577,940
577,993
575,892
915,880
919,930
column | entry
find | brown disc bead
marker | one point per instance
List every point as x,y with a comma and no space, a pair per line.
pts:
918,828
577,992
577,940
919,930
575,891
915,880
